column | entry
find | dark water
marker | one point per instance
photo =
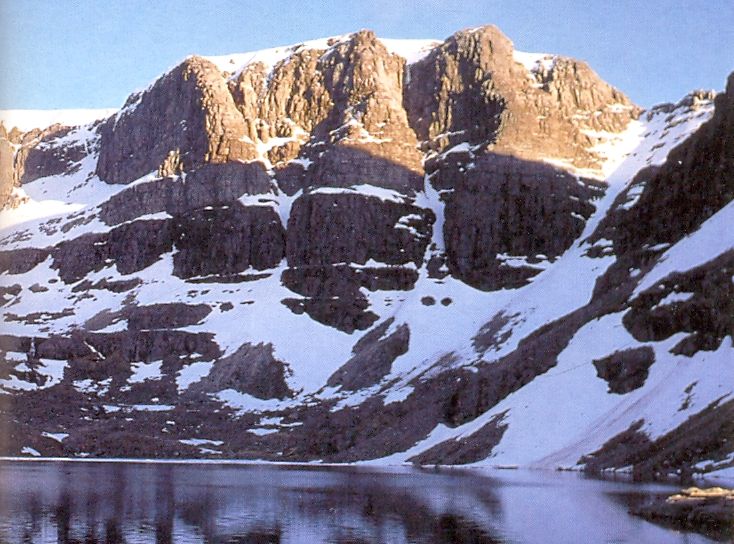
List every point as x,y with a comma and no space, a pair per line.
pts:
135,503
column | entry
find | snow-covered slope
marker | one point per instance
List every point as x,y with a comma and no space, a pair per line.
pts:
411,50
25,120
312,277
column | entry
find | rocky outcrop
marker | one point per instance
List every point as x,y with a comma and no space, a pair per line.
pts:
330,228
207,185
58,150
371,361
699,302
7,181
131,247
372,141
330,295
702,437
279,103
127,346
469,449
626,370
709,511
327,231
492,169
20,261
215,241
228,240
341,108
696,181
252,369
150,317
531,112
188,112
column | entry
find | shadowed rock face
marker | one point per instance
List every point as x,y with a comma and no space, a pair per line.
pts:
151,317
216,241
708,431
334,228
696,181
699,302
325,230
59,150
348,164
189,113
19,261
470,449
499,198
228,240
208,185
137,345
132,247
506,206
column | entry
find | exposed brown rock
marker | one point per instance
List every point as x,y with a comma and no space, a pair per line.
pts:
619,451
20,261
353,228
7,156
166,316
349,99
325,230
189,112
474,76
132,247
223,240
58,150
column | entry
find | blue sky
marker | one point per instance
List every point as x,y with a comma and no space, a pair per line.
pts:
93,53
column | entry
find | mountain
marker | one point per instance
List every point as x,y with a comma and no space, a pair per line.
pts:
387,251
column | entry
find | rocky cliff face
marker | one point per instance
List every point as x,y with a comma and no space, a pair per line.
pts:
475,88
7,156
359,248
185,119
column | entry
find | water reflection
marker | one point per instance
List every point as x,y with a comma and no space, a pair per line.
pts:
137,503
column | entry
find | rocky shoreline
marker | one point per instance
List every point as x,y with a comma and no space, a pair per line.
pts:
709,511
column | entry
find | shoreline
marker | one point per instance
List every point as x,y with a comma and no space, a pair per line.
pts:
712,479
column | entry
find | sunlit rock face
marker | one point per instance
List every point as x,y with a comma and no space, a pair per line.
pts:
188,113
359,248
